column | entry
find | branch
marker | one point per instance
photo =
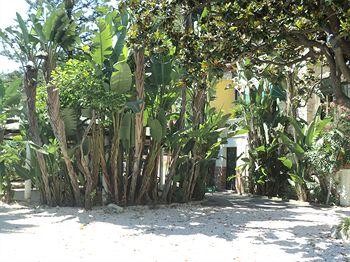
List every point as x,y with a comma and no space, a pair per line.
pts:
341,98
340,61
286,63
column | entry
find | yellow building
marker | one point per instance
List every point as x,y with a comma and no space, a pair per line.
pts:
224,96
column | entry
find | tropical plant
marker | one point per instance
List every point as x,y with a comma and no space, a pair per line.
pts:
263,120
342,231
12,164
304,138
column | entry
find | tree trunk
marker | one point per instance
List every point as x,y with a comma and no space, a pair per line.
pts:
171,174
95,154
85,166
148,170
302,192
177,150
337,66
58,128
198,106
115,155
103,162
140,95
30,79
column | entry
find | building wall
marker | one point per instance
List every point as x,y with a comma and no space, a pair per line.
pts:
224,95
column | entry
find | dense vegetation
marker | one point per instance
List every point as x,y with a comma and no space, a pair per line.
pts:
97,78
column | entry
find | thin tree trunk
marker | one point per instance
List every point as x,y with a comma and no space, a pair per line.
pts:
140,95
126,179
115,155
85,165
106,177
329,191
95,154
30,79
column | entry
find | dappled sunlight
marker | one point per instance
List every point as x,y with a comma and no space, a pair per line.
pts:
296,230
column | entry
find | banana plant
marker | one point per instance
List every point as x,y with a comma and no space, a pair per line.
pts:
263,120
20,42
160,96
304,138
110,61
56,33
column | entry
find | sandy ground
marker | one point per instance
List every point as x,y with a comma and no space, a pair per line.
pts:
225,228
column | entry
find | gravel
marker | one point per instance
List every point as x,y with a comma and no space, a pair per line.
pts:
247,229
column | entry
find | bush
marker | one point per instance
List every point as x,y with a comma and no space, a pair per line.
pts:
342,231
11,164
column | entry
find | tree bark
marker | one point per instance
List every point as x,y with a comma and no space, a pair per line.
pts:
85,166
57,124
198,105
103,162
115,155
148,170
335,74
139,57
30,78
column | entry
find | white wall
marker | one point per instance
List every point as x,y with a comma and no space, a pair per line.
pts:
344,187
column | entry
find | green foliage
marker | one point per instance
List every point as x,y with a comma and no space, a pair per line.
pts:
55,30
80,87
11,164
300,152
121,79
264,122
343,229
70,121
156,129
332,148
10,93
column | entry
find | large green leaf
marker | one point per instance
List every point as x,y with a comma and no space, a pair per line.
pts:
297,127
295,147
277,91
134,105
12,96
102,43
70,120
321,125
286,162
121,34
38,29
64,31
48,27
125,130
121,79
156,129
23,27
161,70
310,133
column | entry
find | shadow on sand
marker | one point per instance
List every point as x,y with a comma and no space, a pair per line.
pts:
222,216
